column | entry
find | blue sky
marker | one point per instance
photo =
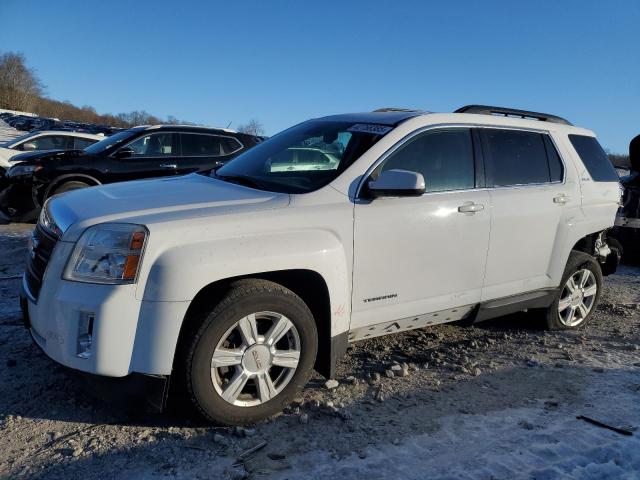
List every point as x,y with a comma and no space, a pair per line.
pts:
284,61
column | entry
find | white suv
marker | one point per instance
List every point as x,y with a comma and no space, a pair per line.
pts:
239,282
44,140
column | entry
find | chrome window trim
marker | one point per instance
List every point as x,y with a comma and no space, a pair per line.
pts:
212,135
445,126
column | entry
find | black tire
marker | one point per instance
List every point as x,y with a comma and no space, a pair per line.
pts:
244,298
70,186
616,248
577,261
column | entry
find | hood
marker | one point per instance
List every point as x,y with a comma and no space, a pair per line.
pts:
33,155
37,156
157,201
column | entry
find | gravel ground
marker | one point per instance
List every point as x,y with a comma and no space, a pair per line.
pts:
495,401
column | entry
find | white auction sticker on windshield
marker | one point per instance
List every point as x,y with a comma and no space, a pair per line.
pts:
370,128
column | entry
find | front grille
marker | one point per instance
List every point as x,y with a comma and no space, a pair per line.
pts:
42,244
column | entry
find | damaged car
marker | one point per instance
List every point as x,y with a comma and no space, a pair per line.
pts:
234,285
137,153
627,228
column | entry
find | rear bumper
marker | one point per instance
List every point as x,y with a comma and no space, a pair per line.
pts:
626,222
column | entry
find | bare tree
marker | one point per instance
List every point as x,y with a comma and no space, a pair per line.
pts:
252,127
19,85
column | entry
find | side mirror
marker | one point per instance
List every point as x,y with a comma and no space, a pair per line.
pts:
125,153
29,146
397,183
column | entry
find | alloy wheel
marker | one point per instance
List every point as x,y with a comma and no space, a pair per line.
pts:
255,359
577,297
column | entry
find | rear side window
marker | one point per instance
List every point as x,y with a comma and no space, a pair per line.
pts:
556,169
516,158
594,158
195,145
443,157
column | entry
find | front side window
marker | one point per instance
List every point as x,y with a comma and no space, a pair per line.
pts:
111,141
153,145
443,157
197,145
305,157
515,158
594,158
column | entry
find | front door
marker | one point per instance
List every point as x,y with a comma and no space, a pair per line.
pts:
421,260
155,155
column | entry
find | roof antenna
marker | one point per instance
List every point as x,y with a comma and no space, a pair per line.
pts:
230,123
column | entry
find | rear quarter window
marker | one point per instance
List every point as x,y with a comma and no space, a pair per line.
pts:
594,158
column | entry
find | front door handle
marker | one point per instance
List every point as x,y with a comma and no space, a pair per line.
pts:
470,207
561,199
168,165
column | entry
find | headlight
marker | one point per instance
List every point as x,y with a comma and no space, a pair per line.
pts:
22,170
107,253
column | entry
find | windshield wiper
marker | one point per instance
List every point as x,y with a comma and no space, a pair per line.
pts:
241,180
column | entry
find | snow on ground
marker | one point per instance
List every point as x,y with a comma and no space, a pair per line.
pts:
8,133
540,442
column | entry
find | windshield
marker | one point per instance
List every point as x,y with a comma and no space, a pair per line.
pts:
109,142
303,158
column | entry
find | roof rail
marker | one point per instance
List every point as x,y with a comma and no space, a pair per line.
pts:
512,112
394,109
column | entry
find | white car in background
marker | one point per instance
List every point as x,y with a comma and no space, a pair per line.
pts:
44,140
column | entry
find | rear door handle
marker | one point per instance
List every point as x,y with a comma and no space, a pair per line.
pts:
561,199
470,207
168,165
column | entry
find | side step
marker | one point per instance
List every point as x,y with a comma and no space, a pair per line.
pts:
516,303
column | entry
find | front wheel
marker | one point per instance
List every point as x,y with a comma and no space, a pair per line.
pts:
251,354
69,187
578,294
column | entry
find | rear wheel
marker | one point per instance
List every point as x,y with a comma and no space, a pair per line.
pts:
251,354
578,294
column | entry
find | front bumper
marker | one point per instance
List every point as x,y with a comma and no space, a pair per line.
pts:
152,390
128,335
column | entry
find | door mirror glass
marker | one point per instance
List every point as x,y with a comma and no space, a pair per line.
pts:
397,183
29,146
125,152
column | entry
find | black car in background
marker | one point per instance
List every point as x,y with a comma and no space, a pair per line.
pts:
137,153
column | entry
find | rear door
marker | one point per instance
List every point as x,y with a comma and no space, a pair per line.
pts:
531,194
204,151
155,155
